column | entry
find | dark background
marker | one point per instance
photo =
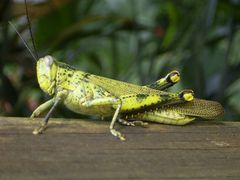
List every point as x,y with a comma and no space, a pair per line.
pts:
137,41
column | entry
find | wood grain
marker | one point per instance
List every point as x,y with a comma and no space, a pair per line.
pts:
85,149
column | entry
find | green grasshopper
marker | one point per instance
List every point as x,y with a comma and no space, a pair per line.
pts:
89,94
126,103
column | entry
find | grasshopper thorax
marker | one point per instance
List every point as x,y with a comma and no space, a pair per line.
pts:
46,74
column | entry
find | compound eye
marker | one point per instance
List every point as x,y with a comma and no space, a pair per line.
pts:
48,60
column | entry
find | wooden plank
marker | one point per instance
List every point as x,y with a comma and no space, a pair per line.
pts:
86,150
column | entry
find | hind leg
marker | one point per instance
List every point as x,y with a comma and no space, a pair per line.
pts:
169,80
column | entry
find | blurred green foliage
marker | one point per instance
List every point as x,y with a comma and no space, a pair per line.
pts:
131,40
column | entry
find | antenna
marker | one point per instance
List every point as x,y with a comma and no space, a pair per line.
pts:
24,42
30,29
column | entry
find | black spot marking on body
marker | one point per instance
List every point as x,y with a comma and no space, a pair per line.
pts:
141,97
85,80
125,97
86,75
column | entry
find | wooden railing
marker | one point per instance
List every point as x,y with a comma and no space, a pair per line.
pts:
85,149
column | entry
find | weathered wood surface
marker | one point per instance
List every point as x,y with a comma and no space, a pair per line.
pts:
86,150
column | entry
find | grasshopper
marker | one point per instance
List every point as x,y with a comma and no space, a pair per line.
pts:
126,103
89,94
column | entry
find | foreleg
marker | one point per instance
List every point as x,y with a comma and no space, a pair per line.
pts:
43,126
51,103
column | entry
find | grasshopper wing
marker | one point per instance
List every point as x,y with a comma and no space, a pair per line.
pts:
180,114
119,88
199,108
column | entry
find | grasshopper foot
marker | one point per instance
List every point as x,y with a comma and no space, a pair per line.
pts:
117,134
126,123
133,123
40,129
140,123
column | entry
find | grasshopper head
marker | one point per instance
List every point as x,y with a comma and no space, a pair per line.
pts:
46,74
